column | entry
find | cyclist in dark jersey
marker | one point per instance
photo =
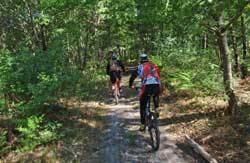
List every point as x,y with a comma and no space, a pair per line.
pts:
150,78
114,69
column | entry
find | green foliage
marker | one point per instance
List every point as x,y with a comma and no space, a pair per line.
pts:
157,59
97,80
3,142
57,49
35,130
2,103
36,79
31,81
186,70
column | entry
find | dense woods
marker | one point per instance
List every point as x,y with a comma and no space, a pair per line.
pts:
52,50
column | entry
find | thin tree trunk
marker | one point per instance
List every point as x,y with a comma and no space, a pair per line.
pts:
204,45
244,48
2,38
78,56
86,47
236,54
34,30
43,39
227,68
119,50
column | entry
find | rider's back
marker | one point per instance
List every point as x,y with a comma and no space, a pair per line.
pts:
149,73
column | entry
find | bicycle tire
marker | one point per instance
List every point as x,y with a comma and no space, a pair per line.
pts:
154,134
116,98
116,93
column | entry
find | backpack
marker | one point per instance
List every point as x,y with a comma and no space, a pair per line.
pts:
114,66
149,70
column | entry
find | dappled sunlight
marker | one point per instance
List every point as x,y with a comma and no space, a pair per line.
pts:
92,123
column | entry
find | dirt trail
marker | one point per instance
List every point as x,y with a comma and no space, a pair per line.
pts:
109,136
124,143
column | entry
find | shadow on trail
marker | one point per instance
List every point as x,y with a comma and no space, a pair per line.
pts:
179,119
188,118
91,136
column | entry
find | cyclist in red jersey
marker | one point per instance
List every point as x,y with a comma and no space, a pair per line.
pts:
150,78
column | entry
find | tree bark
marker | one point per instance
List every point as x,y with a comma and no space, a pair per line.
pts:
2,39
244,48
236,54
34,30
43,39
204,45
200,150
227,68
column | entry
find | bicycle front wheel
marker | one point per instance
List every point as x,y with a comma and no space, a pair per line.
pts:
155,137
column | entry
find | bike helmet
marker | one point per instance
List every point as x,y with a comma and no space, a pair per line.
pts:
143,58
113,57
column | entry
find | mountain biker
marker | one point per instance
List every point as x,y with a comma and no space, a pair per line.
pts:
150,78
114,69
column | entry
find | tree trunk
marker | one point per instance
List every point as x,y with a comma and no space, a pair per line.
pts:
227,69
34,30
244,48
2,39
43,39
236,54
204,41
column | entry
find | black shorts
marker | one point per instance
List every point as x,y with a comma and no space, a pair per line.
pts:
151,89
115,75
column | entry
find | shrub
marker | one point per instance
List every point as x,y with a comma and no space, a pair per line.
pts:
36,130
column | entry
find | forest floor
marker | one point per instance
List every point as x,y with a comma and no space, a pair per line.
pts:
226,138
97,130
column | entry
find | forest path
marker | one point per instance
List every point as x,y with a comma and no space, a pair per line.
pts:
124,143
99,131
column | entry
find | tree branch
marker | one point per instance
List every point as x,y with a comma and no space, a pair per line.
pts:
233,19
212,29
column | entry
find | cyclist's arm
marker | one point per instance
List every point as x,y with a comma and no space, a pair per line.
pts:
132,78
122,66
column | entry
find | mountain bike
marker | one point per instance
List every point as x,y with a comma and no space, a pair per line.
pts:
151,122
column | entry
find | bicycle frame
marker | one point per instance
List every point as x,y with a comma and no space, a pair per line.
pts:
151,123
150,112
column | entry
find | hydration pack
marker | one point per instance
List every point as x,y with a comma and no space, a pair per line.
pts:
149,70
114,66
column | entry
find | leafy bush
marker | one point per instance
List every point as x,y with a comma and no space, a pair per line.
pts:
35,79
190,70
1,106
3,142
31,81
35,130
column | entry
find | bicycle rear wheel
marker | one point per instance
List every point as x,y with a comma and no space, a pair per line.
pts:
116,93
116,98
154,134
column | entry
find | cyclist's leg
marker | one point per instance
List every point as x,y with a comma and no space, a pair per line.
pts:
156,98
119,79
113,79
117,87
142,104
